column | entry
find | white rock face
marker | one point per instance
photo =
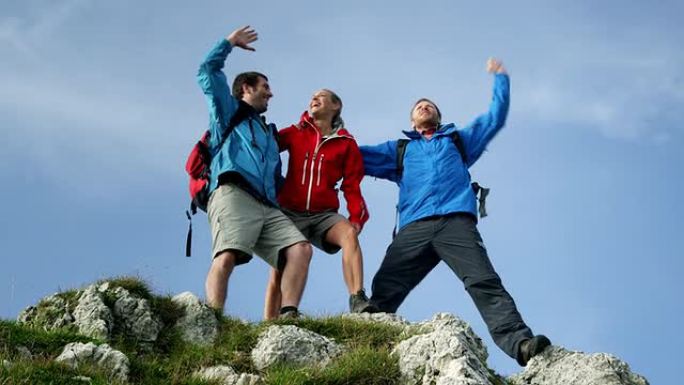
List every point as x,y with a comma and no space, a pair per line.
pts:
92,317
558,366
293,345
225,375
135,316
456,326
199,324
449,353
112,361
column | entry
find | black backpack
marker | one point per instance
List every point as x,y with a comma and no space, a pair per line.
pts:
480,191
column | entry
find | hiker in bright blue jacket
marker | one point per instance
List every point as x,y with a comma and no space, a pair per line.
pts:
438,217
243,212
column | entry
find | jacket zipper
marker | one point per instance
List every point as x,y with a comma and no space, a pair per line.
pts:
313,162
306,159
320,165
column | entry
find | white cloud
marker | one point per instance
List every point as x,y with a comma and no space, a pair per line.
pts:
625,89
46,17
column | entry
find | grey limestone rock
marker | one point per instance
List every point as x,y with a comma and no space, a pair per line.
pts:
292,345
559,366
135,316
225,375
92,316
114,362
198,324
455,325
439,358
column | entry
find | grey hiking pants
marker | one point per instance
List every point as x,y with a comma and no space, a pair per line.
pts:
454,239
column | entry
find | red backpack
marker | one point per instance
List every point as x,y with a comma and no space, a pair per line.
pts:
198,168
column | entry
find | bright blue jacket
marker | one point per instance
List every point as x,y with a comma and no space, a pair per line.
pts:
435,180
251,149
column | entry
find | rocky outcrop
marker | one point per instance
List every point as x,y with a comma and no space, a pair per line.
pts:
97,312
92,317
198,325
50,313
225,375
295,346
447,353
112,361
134,315
558,366
442,351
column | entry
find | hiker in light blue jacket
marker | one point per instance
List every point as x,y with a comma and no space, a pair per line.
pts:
438,217
243,212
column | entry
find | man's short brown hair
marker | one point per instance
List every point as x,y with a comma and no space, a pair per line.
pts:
439,113
250,78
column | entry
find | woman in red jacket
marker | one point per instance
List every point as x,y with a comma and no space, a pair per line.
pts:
322,152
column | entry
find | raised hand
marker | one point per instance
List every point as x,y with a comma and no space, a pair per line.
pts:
243,37
495,66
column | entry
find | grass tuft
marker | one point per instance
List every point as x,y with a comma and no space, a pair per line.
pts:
38,341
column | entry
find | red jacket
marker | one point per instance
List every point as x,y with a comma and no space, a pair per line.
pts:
315,166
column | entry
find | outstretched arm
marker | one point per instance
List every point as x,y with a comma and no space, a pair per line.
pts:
213,81
380,160
480,132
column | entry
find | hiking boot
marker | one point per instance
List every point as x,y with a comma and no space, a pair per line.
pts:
531,347
359,303
289,312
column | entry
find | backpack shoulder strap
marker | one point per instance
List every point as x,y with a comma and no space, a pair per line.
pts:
240,114
458,142
401,150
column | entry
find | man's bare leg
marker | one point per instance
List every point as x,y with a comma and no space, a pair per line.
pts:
345,235
295,273
216,285
273,298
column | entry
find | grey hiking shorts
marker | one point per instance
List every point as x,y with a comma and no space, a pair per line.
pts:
315,226
240,222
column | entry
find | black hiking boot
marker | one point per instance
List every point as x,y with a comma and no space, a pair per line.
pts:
359,303
531,347
289,312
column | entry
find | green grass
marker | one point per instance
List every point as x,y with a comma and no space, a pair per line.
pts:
366,360
47,372
38,341
363,366
353,333
135,285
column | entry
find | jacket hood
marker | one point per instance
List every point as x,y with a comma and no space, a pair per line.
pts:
306,121
444,129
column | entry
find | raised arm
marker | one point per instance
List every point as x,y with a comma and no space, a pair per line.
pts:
214,84
480,132
380,160
351,186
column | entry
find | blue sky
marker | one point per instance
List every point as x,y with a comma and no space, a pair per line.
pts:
99,108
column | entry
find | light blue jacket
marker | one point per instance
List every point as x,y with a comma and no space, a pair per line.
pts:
435,181
251,149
